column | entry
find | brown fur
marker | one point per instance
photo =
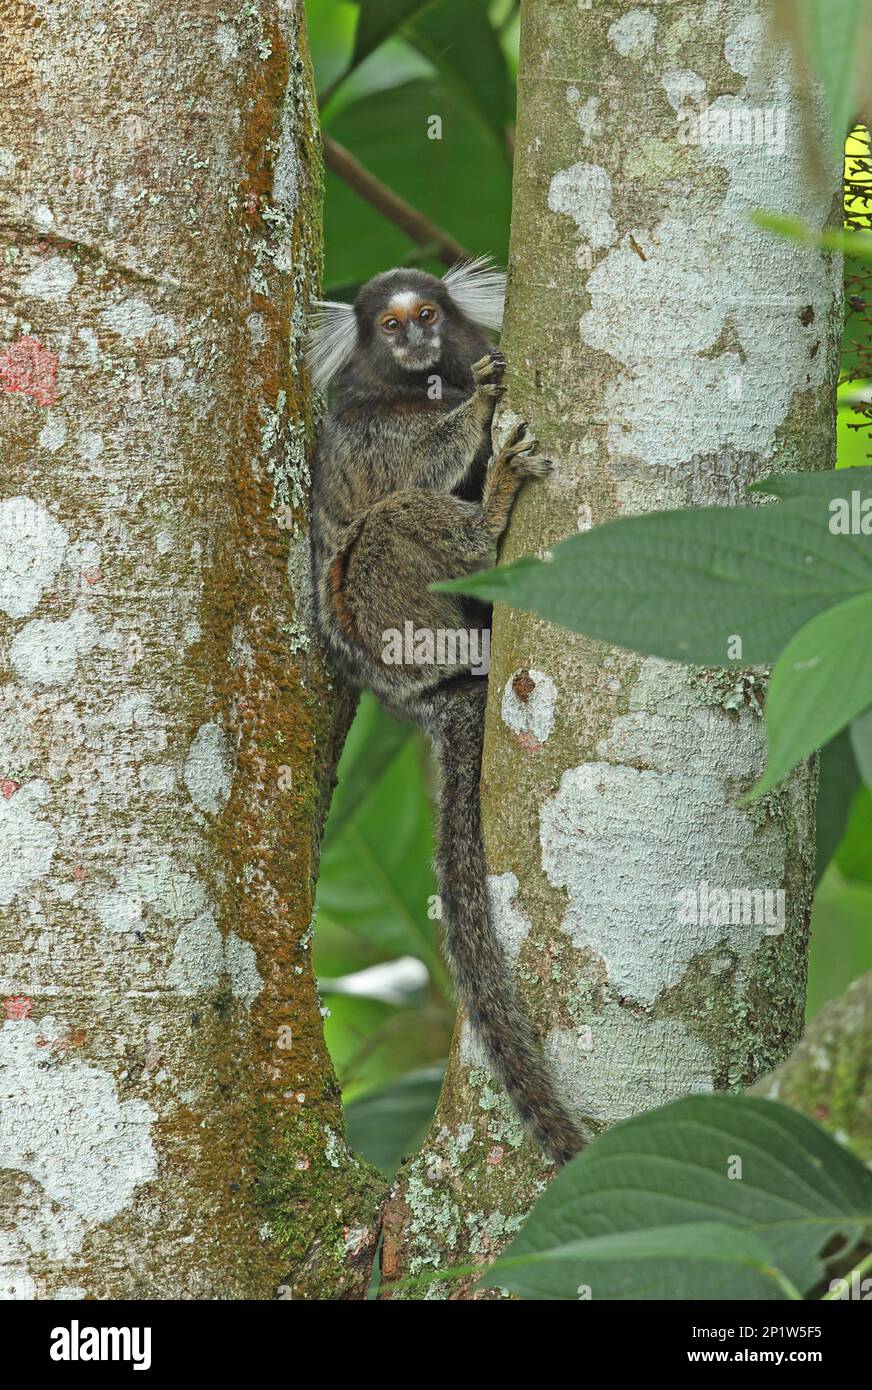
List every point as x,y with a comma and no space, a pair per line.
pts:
336,584
387,521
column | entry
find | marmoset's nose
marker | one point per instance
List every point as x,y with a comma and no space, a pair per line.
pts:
415,333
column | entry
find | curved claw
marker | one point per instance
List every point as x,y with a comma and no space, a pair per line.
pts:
489,368
516,435
519,442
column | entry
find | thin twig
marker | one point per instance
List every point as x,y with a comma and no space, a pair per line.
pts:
415,225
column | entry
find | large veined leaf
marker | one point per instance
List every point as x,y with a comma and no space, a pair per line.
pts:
841,938
458,38
854,855
861,742
822,681
389,1122
373,742
378,20
376,880
836,52
374,1045
697,1242
837,785
831,484
330,31
685,585
755,1165
466,194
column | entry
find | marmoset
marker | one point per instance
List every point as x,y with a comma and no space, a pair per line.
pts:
405,492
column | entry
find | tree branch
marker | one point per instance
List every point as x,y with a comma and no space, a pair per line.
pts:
416,226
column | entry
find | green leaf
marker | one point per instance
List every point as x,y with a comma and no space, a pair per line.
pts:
330,31
839,779
374,1044
861,741
375,876
684,584
795,1191
462,182
844,243
709,1241
831,485
823,679
378,20
835,51
854,855
373,742
841,945
459,39
337,951
387,1124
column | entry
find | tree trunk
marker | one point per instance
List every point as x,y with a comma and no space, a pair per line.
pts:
828,1074
666,354
171,1125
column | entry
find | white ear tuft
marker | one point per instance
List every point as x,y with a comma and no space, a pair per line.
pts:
331,341
479,290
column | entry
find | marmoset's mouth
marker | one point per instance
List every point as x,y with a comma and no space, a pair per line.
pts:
417,358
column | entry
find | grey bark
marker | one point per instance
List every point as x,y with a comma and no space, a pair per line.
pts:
170,1121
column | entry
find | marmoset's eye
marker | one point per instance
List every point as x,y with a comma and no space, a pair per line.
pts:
390,325
427,314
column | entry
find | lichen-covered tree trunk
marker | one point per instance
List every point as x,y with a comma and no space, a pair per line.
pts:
829,1073
667,354
170,1123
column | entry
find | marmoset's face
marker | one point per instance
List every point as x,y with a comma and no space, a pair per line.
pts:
409,326
407,323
